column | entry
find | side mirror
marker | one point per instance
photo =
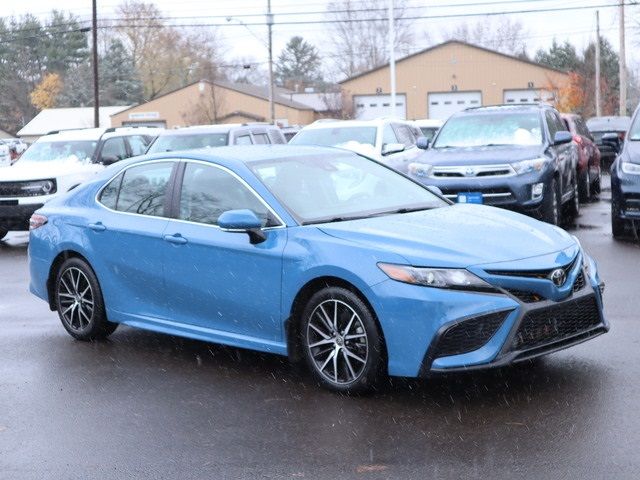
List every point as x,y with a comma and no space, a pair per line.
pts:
562,137
389,148
242,221
422,143
108,160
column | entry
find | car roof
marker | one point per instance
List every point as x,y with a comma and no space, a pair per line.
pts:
608,123
508,107
71,135
246,154
216,128
428,122
330,123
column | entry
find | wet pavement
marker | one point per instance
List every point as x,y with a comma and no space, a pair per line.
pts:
145,405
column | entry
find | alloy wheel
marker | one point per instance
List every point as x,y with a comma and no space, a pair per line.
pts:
337,342
76,299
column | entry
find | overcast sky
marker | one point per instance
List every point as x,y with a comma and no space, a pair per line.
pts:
578,26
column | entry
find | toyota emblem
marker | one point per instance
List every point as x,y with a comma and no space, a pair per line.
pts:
470,172
558,277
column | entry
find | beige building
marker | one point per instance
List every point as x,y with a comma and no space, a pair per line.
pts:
438,81
206,102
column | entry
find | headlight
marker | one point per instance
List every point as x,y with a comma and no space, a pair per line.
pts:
527,166
631,168
419,169
435,277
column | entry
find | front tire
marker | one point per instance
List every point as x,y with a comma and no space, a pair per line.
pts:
584,186
79,302
3,233
342,345
573,207
551,204
617,224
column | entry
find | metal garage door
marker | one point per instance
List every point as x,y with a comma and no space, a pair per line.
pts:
442,105
368,107
528,96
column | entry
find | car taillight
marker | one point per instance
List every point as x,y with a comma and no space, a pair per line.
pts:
577,139
37,221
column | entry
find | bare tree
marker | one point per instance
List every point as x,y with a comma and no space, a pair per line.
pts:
359,34
502,34
208,108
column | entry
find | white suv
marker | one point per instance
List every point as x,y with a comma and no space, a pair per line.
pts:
386,140
60,161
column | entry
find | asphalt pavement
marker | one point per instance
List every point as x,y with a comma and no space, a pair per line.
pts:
150,406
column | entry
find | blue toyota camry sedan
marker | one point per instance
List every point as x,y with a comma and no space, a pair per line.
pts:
316,253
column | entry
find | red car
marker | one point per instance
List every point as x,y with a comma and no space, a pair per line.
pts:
588,157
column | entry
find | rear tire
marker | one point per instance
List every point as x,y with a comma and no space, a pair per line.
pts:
79,301
584,186
573,205
596,188
3,233
551,204
341,342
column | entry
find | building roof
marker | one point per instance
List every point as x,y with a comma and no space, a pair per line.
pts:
67,118
454,42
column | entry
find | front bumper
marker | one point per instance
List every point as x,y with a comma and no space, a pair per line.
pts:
15,216
625,193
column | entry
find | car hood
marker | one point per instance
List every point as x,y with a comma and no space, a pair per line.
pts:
480,155
632,151
457,236
25,170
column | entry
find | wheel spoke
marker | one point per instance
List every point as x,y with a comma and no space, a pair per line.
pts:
354,356
328,359
81,310
348,327
335,365
354,336
325,341
348,362
66,295
64,284
67,309
325,318
320,332
335,315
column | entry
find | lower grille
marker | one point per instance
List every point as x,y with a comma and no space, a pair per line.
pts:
526,297
469,335
30,188
579,283
557,322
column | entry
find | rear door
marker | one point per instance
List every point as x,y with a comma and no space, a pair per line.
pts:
125,236
565,154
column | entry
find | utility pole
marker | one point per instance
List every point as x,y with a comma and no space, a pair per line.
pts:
622,65
392,58
598,107
96,94
272,112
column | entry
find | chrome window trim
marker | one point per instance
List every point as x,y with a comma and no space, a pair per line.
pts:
281,222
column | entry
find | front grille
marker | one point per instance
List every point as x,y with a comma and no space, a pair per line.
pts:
526,297
556,323
544,274
579,283
469,335
30,188
472,171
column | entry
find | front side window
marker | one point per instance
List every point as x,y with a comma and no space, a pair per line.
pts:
114,149
489,129
405,136
208,191
141,189
243,140
138,144
341,187
261,138
187,141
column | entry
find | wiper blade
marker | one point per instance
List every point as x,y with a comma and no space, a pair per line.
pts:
335,219
402,210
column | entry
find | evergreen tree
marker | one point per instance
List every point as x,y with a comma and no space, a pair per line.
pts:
120,84
298,64
561,57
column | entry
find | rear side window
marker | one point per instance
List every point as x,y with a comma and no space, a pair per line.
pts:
243,140
141,189
276,136
114,149
138,144
261,138
405,136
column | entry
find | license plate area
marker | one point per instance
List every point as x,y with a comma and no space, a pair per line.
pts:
470,197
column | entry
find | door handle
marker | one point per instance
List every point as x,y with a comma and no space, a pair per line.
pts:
97,227
175,239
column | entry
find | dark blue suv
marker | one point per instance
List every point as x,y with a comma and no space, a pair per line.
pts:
519,157
625,180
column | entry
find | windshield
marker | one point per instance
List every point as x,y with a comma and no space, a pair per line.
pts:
62,150
172,143
475,130
341,187
333,136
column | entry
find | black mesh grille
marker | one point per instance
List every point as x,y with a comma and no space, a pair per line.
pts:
526,297
579,283
469,335
557,322
24,189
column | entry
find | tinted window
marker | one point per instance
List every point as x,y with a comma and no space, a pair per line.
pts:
276,136
388,135
207,192
114,148
405,136
187,141
491,128
138,144
243,140
261,138
144,188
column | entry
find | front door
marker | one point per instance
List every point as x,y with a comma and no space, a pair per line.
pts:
217,279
